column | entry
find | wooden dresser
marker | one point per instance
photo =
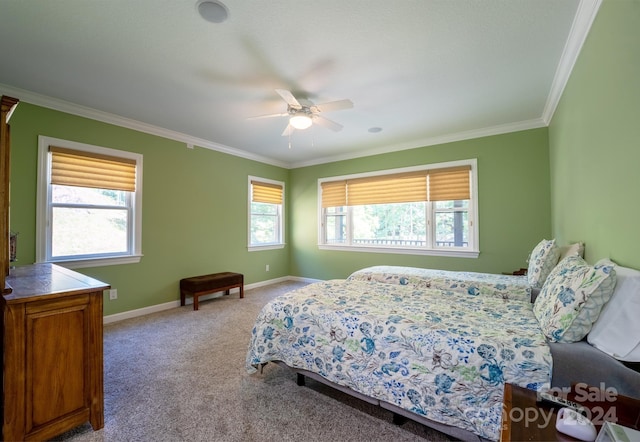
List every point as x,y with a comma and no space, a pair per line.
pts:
52,352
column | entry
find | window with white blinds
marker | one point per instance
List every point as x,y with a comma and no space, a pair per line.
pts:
430,209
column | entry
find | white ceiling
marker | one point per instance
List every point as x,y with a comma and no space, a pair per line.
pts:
425,71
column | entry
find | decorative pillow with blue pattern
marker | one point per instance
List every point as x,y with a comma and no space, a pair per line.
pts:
572,297
543,259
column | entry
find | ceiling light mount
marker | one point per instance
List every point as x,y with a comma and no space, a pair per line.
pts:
212,10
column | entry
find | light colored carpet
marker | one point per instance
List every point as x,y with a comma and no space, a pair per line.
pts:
179,375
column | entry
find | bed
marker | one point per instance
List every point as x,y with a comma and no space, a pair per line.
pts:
442,357
469,283
542,259
430,352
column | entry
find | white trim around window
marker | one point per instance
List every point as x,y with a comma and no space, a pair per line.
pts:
471,251
43,207
279,215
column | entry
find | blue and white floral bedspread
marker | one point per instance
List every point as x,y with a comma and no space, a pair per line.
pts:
470,283
441,354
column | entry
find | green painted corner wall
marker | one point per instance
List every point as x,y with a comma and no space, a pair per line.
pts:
594,140
194,207
514,205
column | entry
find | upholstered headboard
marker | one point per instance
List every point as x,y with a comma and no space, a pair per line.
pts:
582,362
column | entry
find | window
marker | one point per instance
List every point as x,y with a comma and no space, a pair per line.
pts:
429,210
89,204
266,200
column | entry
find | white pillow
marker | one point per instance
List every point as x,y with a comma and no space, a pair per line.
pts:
617,330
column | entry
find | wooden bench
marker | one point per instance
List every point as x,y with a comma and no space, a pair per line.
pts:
197,286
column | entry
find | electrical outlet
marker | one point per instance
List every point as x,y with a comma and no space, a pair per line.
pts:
113,294
267,267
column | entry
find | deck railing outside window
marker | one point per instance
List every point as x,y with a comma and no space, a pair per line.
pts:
406,242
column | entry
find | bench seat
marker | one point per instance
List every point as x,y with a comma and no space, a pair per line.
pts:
197,286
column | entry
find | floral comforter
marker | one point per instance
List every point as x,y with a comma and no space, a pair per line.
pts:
441,354
470,283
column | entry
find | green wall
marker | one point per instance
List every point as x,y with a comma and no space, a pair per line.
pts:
514,205
194,207
594,141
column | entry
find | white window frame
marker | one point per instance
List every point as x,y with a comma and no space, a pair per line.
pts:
281,224
471,251
43,210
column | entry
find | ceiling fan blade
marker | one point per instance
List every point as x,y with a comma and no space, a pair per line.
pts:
289,98
268,116
324,122
288,130
334,105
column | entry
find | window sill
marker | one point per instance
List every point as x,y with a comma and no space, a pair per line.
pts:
403,251
98,262
266,247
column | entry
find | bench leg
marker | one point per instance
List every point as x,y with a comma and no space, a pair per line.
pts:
242,291
183,296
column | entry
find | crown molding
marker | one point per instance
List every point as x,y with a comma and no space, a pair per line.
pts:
105,117
432,141
586,14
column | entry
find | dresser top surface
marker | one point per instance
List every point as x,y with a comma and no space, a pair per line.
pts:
32,282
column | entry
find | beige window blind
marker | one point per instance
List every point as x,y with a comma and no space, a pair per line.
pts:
449,184
86,169
425,185
266,192
387,189
334,193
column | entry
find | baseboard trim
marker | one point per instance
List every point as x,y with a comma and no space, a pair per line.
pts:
174,304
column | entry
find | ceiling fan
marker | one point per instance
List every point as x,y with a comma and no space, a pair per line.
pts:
301,116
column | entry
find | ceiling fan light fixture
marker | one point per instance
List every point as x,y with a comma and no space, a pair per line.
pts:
300,121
